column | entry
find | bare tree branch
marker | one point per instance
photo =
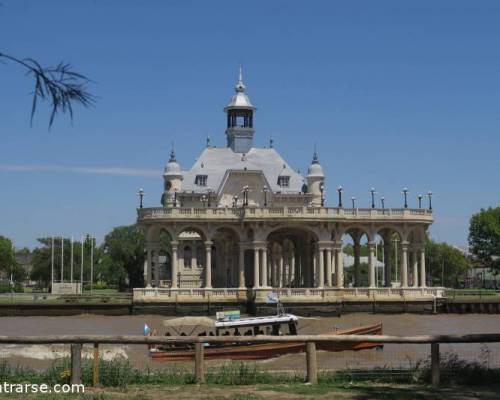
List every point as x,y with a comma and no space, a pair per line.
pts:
60,86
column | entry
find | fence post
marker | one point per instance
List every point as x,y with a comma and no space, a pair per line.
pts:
312,373
76,363
199,374
435,375
95,365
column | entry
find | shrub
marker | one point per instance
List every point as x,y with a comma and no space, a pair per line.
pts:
7,288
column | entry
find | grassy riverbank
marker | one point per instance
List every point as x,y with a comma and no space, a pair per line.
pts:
245,381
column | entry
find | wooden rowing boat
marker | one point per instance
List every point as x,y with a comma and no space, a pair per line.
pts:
259,351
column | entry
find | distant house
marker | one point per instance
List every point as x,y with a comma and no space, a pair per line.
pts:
479,275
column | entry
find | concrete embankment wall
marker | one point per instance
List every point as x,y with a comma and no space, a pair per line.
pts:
299,308
29,310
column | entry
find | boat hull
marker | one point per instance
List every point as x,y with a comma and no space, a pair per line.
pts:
261,351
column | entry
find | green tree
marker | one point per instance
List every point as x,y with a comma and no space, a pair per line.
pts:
123,256
445,264
9,267
484,237
7,257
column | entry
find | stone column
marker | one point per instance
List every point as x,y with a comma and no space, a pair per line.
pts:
256,279
314,269
371,264
241,267
293,273
208,266
273,270
415,269
298,269
329,267
321,266
357,254
150,267
339,266
387,262
157,264
264,268
281,271
306,261
174,264
146,272
404,264
422,268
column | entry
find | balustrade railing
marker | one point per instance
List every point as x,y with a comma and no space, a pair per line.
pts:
300,212
288,293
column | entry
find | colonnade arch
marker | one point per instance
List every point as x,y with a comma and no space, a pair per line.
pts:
225,257
260,256
289,258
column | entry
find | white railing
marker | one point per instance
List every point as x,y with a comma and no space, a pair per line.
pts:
180,293
315,294
358,292
286,212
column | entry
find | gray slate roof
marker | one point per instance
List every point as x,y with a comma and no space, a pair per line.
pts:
215,161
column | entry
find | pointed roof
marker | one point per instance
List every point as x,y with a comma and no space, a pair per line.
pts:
215,162
240,100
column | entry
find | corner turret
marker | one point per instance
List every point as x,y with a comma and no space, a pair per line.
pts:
172,181
316,181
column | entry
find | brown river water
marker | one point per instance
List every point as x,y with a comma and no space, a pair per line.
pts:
40,356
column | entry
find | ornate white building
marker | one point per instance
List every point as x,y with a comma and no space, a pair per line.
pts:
242,219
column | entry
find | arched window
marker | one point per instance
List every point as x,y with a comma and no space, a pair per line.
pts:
188,253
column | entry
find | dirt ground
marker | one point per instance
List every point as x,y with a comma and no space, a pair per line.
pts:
282,392
296,392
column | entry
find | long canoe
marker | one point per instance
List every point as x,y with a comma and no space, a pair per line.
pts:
260,351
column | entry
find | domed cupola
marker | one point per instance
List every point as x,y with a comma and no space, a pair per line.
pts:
172,167
172,181
315,169
240,111
315,181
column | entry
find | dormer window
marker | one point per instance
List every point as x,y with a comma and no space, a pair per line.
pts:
283,181
200,180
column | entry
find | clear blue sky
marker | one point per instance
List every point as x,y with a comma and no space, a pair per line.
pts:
394,94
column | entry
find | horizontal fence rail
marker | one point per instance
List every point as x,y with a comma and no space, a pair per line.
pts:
137,339
76,342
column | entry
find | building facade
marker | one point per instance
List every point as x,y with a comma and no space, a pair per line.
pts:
241,218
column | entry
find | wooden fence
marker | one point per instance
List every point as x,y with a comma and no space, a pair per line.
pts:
76,342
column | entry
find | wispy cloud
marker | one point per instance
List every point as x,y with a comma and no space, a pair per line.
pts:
81,170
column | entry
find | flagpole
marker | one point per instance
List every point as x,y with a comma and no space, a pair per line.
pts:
52,266
91,264
62,259
12,267
81,268
71,276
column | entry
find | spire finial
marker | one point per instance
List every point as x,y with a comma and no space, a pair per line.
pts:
271,143
240,86
315,156
172,154
208,140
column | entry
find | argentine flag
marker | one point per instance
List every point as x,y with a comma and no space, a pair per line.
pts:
147,329
272,298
